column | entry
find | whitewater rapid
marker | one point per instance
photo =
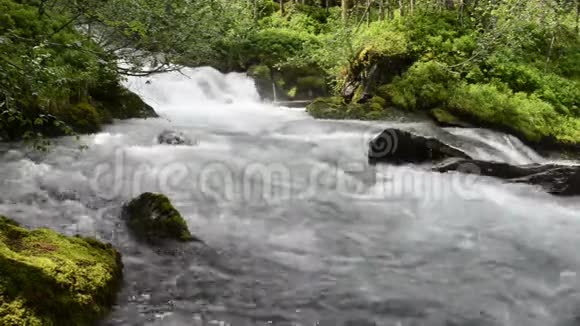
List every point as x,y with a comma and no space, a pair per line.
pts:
300,230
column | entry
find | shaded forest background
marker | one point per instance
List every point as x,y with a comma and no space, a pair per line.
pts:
512,65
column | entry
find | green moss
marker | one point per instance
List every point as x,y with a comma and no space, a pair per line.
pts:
445,118
115,101
336,108
377,103
327,108
82,117
50,279
152,217
383,91
130,105
358,94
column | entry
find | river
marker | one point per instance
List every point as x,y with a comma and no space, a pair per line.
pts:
300,230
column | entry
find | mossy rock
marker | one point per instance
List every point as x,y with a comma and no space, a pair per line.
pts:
130,105
152,218
336,108
82,118
327,108
50,279
120,103
446,119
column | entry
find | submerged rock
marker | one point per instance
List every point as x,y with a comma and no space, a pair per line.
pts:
398,147
50,279
173,138
152,218
561,180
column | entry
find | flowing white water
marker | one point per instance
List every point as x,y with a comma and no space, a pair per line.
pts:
510,149
300,230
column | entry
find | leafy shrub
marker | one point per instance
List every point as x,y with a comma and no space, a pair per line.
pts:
525,115
425,85
438,36
381,38
273,46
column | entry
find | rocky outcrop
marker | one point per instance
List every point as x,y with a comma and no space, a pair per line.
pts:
115,101
173,138
152,218
396,146
561,180
50,279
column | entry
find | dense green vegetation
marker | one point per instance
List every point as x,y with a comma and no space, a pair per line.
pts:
508,64
511,64
50,279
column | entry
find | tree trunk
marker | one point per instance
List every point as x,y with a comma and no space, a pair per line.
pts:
411,7
369,12
344,4
382,9
281,7
402,7
450,4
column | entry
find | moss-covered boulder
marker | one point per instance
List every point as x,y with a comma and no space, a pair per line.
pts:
446,119
336,108
82,118
152,218
50,279
115,101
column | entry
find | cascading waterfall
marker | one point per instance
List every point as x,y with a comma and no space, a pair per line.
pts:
299,229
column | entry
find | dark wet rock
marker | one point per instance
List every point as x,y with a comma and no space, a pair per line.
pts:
397,147
152,218
173,138
561,180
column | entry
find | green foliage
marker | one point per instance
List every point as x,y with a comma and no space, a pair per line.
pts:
425,85
152,217
50,75
274,46
50,279
525,115
437,36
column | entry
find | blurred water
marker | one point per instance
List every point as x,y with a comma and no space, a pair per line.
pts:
300,230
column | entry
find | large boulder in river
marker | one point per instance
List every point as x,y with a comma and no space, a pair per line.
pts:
50,279
152,218
398,147
173,138
556,179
